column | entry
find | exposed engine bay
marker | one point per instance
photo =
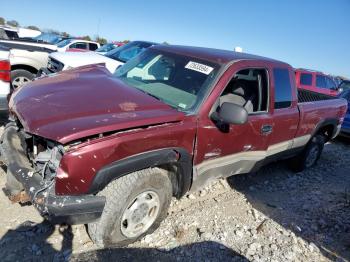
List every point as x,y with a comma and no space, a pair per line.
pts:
45,156
32,164
41,157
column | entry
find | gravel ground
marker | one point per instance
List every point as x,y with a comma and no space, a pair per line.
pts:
272,215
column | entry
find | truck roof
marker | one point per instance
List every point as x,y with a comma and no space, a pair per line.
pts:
308,70
213,55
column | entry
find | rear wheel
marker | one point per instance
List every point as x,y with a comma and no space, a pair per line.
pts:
20,77
310,155
135,206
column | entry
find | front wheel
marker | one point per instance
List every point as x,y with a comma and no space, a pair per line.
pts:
310,155
135,206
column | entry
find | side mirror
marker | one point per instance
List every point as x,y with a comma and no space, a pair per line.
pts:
230,113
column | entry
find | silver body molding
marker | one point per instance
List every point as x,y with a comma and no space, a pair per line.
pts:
239,163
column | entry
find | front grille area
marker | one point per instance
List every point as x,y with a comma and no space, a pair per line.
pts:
54,65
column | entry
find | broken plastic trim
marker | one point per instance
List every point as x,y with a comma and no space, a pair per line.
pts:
58,209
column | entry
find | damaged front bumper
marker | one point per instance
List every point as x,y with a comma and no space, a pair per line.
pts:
41,193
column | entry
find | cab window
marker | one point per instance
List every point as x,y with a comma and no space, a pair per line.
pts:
283,88
321,81
79,45
306,79
249,89
92,46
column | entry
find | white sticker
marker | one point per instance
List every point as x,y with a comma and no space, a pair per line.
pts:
182,105
199,67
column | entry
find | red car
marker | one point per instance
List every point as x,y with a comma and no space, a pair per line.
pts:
316,82
77,50
110,151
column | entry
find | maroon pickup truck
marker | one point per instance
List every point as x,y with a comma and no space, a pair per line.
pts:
110,151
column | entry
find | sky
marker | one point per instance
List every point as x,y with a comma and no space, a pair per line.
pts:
311,34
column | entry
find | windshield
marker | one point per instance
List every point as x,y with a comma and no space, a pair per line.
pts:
105,48
128,51
63,43
177,80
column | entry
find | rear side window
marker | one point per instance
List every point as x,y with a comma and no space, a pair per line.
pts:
306,79
283,88
79,45
11,34
93,46
321,81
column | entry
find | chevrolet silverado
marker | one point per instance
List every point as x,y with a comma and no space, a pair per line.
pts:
111,150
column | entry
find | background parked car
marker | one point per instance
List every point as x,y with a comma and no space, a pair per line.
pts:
25,64
29,55
59,61
27,42
4,78
108,47
344,86
78,44
8,33
49,38
26,32
316,81
345,129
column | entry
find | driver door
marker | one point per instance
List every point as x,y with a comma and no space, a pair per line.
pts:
238,148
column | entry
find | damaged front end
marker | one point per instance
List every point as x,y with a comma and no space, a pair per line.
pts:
32,164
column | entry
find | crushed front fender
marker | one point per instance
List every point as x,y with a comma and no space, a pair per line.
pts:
41,193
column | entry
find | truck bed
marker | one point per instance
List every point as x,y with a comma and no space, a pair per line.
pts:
28,45
309,96
315,108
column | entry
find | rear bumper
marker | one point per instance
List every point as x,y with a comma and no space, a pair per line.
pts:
58,209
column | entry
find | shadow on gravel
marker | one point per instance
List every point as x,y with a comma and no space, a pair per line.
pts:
28,242
343,139
203,251
314,204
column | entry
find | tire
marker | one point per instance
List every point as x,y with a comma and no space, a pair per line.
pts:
310,155
122,195
19,77
12,186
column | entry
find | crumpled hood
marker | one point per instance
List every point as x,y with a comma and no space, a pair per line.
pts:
87,101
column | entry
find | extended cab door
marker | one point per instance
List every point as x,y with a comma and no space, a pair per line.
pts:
224,150
285,110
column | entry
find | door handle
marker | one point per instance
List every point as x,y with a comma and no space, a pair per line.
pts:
266,129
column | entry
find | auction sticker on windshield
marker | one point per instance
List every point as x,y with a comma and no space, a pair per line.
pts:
199,67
